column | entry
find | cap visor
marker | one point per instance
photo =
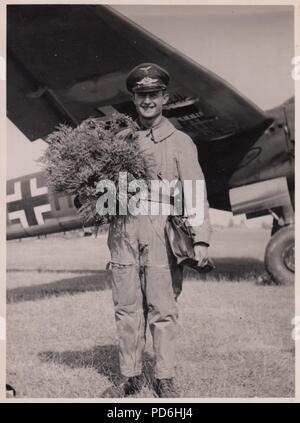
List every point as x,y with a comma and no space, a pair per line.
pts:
148,89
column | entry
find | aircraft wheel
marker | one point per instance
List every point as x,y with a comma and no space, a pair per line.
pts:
280,256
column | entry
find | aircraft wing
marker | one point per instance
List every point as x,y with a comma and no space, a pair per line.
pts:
68,62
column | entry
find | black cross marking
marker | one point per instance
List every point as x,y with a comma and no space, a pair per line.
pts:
27,203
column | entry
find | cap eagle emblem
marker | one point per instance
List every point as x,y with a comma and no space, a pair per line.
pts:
147,81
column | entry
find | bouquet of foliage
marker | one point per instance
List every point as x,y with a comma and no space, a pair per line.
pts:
78,158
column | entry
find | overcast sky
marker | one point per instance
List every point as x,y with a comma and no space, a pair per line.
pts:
251,47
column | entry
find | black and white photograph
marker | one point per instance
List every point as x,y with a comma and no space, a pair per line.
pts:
150,201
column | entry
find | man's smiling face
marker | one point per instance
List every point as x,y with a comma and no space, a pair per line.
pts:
149,105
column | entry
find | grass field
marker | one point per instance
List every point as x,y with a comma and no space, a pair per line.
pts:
234,336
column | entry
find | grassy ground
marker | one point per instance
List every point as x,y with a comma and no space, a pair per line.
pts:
234,337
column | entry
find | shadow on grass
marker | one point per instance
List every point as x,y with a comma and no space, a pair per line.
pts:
104,359
95,282
229,269
39,270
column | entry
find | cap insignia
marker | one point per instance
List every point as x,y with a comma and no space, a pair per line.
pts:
146,69
147,81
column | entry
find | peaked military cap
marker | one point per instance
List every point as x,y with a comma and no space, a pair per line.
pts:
147,77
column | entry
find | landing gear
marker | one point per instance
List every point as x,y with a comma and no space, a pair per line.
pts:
280,256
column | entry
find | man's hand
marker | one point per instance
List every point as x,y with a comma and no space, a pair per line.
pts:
201,254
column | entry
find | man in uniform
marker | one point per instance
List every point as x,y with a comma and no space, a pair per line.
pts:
146,278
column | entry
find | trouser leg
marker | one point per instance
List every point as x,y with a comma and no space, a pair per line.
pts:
162,317
159,294
127,295
129,315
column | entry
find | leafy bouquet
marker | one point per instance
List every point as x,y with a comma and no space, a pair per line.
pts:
78,158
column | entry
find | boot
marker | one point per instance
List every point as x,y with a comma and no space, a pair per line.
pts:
130,386
165,388
10,391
